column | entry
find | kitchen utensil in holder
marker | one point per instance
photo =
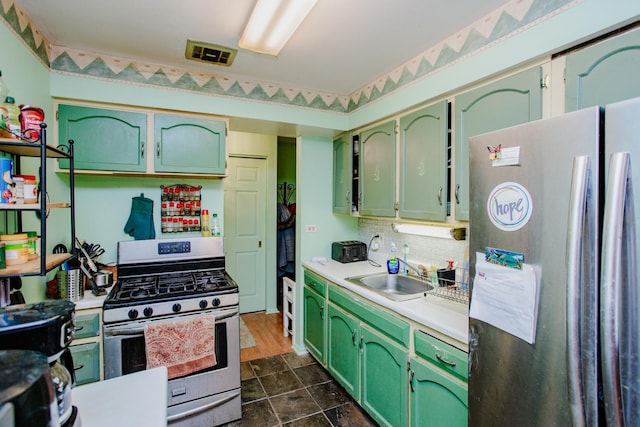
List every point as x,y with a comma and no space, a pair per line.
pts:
70,284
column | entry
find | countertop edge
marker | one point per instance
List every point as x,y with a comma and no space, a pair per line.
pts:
443,316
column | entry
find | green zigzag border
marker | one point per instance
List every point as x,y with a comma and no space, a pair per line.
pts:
475,41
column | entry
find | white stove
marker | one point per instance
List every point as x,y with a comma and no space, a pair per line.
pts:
167,277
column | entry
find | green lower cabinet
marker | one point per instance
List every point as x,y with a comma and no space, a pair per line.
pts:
436,398
383,388
343,349
86,359
314,323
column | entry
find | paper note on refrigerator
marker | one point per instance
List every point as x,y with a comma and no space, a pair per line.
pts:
506,298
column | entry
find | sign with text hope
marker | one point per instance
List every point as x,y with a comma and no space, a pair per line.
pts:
509,206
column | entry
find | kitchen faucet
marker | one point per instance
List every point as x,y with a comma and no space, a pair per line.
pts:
418,271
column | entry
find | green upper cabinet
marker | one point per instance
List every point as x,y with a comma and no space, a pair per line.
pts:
603,73
189,145
103,139
342,174
423,163
507,102
378,171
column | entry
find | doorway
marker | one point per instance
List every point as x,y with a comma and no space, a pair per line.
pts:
244,240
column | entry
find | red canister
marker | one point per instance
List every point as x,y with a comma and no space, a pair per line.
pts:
30,119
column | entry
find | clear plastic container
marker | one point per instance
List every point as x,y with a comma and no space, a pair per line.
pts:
215,225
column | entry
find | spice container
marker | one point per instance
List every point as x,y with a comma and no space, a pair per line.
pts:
16,247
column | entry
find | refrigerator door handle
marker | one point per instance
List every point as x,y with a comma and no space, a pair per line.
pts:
610,284
575,237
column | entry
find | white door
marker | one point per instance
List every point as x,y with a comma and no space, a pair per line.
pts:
244,227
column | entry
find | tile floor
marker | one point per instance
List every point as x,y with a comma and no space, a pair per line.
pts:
295,391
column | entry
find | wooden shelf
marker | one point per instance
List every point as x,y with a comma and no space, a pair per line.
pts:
32,206
29,149
33,266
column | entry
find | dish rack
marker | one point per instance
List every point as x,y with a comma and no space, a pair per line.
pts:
455,289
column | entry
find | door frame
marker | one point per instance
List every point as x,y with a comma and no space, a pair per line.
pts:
242,144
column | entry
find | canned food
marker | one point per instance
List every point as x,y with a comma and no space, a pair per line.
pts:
30,188
6,166
32,239
16,248
30,119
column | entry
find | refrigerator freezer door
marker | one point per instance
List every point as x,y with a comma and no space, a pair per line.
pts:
620,291
512,382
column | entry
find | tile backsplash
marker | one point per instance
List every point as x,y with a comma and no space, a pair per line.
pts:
422,250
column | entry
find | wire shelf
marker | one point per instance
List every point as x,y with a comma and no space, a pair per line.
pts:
452,285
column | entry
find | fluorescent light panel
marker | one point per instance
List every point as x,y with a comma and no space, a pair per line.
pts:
430,231
272,23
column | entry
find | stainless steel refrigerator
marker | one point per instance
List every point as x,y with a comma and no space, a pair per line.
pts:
560,199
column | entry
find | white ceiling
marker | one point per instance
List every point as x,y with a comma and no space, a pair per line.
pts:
340,47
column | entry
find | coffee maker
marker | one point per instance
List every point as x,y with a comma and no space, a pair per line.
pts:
46,327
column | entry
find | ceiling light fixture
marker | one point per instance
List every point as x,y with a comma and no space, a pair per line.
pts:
272,23
457,233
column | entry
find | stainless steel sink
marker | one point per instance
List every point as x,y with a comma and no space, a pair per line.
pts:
396,287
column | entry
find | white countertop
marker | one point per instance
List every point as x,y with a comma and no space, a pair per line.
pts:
447,317
133,400
89,300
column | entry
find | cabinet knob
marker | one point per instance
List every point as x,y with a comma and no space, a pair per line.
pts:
142,149
457,194
440,196
158,149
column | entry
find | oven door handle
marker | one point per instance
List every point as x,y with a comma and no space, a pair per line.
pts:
185,414
137,330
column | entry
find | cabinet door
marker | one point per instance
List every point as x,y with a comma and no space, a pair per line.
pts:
511,101
104,139
342,174
603,73
423,164
437,399
86,360
343,349
314,323
383,387
378,170
189,145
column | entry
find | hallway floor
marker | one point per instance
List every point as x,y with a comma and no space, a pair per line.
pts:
280,388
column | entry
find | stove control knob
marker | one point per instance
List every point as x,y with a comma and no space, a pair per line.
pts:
176,307
203,303
148,311
215,302
133,313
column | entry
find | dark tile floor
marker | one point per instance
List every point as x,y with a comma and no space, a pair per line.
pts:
295,391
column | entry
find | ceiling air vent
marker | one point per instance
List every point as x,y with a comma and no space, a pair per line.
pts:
210,53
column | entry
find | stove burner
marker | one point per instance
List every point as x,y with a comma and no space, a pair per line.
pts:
171,285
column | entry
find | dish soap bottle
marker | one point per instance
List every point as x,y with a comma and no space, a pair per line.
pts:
393,265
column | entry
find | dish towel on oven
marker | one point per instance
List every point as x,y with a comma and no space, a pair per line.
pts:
183,346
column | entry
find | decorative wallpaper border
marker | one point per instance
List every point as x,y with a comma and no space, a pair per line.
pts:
514,17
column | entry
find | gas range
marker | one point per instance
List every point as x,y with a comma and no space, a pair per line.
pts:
165,277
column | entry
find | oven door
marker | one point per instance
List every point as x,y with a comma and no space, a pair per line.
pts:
124,345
